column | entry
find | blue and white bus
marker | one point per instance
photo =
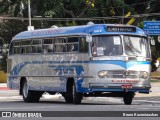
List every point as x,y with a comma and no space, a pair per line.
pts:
80,61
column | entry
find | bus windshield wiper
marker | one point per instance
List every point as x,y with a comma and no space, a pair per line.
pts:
112,51
133,52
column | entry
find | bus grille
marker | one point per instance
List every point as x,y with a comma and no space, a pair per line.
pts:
123,74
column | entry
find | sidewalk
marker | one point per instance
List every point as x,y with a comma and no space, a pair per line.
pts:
3,86
155,90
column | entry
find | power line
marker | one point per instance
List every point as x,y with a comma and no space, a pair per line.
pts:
33,4
111,7
18,18
80,19
136,4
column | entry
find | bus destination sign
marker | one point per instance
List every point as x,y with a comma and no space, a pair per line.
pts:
120,29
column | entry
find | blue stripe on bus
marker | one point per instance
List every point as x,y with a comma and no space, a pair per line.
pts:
117,90
123,64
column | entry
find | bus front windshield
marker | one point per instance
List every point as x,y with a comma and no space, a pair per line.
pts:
107,46
136,46
113,46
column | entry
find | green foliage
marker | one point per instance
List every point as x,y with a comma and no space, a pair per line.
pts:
69,9
73,23
10,28
78,8
3,63
140,25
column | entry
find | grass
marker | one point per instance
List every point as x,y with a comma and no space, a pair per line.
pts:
154,80
3,77
155,76
156,73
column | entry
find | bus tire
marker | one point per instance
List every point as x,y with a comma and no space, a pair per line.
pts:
28,95
127,98
68,96
68,99
77,97
36,96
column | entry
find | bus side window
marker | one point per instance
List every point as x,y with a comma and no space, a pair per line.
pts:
48,46
72,44
37,46
83,45
17,47
60,44
11,49
26,46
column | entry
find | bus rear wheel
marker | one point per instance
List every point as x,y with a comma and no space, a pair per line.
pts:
127,98
28,95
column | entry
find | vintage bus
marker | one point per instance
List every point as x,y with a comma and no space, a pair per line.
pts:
106,60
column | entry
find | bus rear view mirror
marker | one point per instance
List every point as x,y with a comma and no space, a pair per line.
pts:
88,38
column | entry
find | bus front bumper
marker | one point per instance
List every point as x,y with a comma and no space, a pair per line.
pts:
119,88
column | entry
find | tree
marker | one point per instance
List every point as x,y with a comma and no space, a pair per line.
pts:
3,64
149,7
10,28
93,9
12,7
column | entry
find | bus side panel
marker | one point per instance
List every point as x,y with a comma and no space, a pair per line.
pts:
13,82
48,72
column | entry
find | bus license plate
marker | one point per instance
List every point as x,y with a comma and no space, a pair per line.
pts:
126,86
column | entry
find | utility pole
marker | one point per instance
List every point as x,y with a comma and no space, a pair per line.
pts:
29,12
29,17
123,14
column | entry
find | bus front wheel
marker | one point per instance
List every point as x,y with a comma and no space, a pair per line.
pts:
28,95
127,98
77,97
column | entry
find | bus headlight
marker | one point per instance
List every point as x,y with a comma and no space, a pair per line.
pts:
143,75
102,74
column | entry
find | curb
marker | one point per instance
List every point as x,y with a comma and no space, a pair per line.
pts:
3,86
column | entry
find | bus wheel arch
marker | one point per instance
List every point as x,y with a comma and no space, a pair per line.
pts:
29,95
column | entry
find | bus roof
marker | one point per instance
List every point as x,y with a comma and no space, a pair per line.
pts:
95,29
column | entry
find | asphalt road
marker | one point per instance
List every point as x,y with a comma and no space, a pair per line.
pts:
11,101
